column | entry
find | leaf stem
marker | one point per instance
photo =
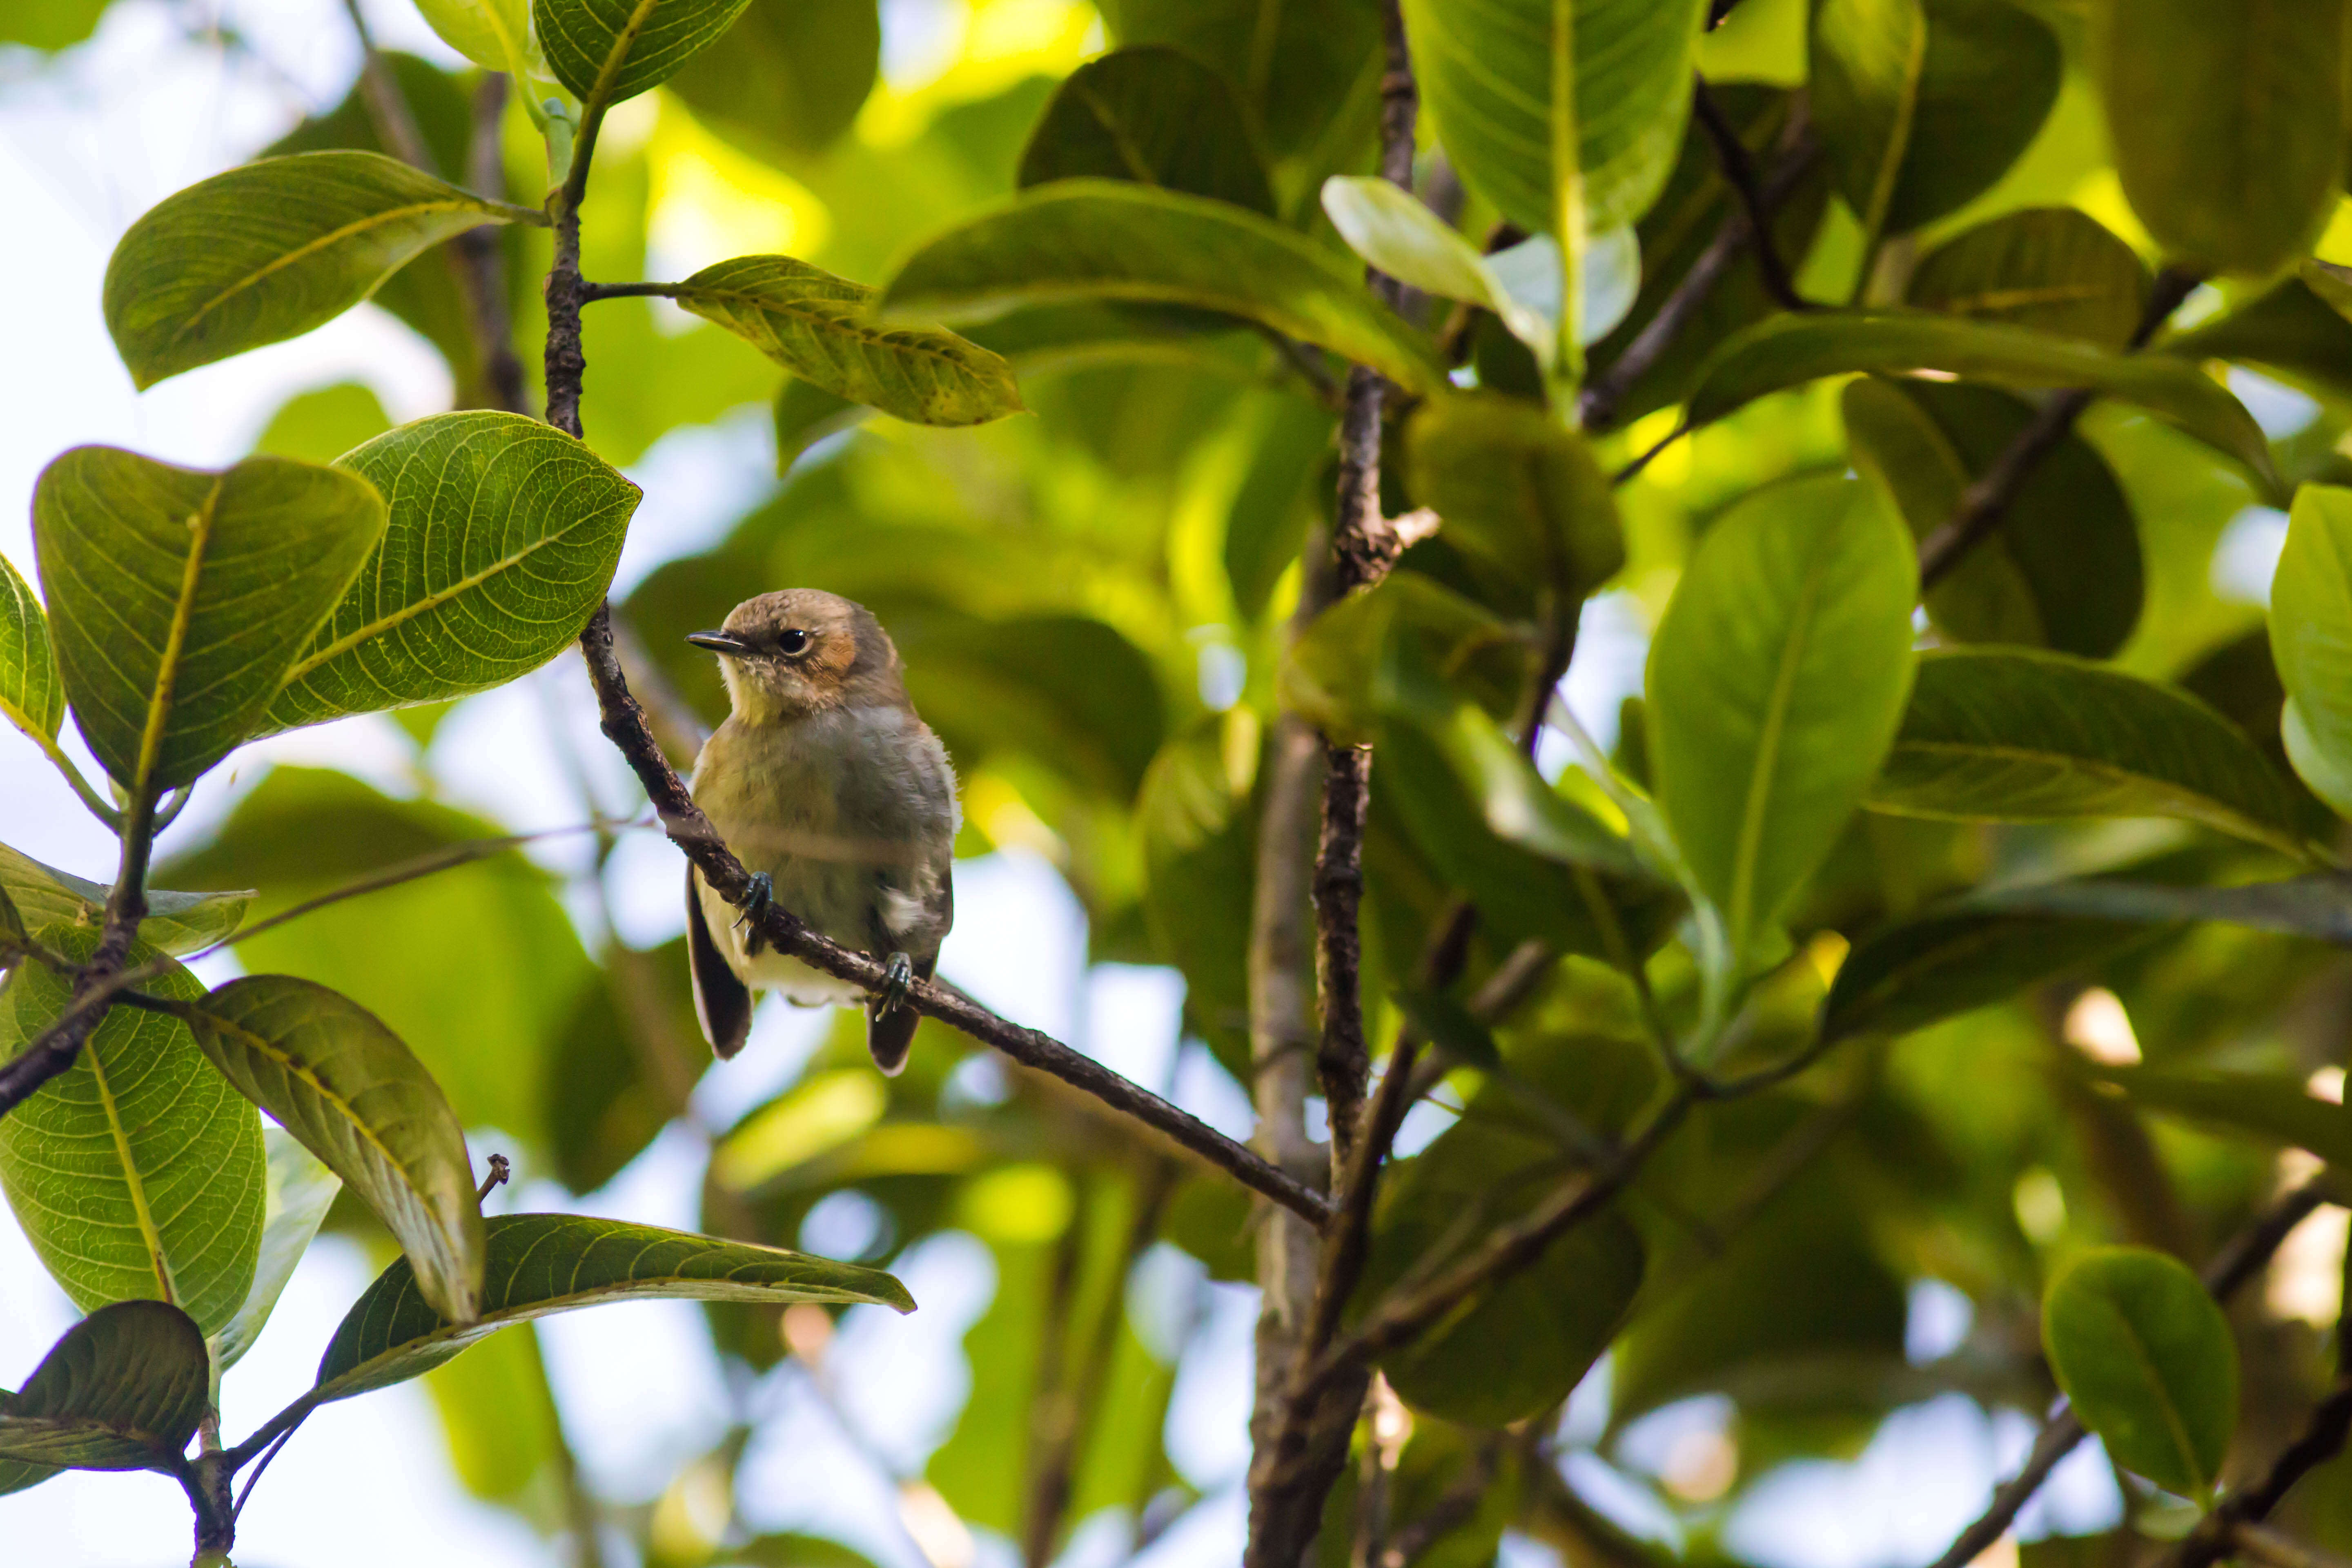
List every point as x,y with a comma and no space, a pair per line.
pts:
82,789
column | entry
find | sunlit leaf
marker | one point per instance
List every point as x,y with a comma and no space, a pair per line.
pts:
32,697
178,598
2311,638
266,251
501,538
493,34
538,1264
2147,1362
122,1390
606,50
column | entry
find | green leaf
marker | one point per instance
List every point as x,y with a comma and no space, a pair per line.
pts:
138,1172
2227,123
1107,239
1199,859
2056,270
175,922
322,424
539,1264
1486,78
607,50
1154,115
1923,104
32,697
122,1390
2062,570
1948,961
2311,639
1522,1346
1521,497
1395,231
50,24
1789,349
179,598
792,78
2317,906
493,34
299,1193
2012,736
816,326
501,538
2330,282
1517,806
2147,1362
335,1077
266,251
1776,682
1378,652
2275,1107
1307,71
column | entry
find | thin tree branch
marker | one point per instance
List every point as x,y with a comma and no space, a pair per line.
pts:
2260,1544
56,1048
1739,173
1986,502
2242,1258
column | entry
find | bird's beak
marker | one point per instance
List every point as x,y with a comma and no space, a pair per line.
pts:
718,642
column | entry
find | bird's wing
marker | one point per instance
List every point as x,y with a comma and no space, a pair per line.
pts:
721,1001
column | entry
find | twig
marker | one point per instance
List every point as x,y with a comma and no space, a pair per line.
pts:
1739,173
1986,502
100,981
2322,1439
499,1171
1597,405
2261,1544
2242,1258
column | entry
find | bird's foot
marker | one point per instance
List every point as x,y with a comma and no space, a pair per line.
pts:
898,980
759,898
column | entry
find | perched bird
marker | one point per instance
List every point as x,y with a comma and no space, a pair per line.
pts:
841,802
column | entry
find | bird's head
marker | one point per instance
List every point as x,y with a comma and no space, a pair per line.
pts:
787,655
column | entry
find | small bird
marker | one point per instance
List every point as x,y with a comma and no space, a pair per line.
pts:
838,799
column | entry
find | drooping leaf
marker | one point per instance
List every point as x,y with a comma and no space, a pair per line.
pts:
2012,736
301,1191
538,1264
2064,569
1105,239
179,598
1923,104
137,1173
493,34
268,251
793,76
2056,270
607,50
175,922
1521,498
32,697
1776,682
1948,961
2277,1107
1486,78
2311,638
122,1390
2228,123
335,1077
1789,349
1154,115
2148,1361
816,326
501,538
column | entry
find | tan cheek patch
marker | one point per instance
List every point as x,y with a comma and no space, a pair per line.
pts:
835,652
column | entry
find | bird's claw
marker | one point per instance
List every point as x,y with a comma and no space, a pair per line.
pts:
758,899
897,981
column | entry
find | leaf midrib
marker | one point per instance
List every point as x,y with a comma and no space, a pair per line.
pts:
134,1183
907,339
432,601
335,237
1768,750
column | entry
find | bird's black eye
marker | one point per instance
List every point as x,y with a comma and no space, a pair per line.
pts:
793,640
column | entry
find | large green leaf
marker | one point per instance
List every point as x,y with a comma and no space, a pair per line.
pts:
607,50
1789,349
335,1077
122,1390
502,539
493,34
1487,70
2147,1362
793,76
1154,115
1947,962
32,697
2064,570
1108,239
1525,1344
268,251
2056,270
539,1264
138,1172
2228,123
2317,905
1923,104
1522,498
50,24
179,598
301,1192
2276,1107
175,922
816,326
1776,682
2012,736
2311,638
1307,71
